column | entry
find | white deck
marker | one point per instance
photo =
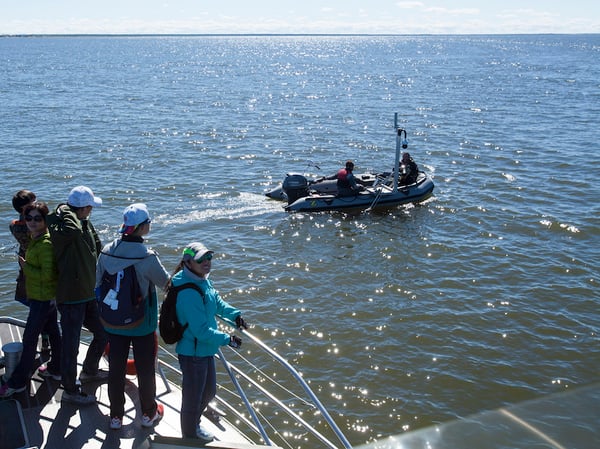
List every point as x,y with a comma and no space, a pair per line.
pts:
54,425
567,420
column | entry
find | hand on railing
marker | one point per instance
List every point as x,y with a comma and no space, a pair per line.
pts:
240,323
235,341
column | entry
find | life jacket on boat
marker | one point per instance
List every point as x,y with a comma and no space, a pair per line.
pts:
342,179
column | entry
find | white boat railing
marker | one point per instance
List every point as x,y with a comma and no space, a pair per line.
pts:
294,421
247,403
315,400
256,404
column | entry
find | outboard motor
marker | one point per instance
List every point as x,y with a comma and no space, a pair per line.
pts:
295,186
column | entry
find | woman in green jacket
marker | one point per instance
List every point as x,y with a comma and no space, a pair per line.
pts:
39,267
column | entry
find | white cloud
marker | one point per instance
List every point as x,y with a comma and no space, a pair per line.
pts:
310,16
453,12
410,5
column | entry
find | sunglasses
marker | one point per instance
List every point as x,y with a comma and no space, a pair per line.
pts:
207,256
36,218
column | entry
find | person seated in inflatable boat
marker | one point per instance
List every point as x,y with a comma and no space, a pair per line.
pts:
408,170
347,183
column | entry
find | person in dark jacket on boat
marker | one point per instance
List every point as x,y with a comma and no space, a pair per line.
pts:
202,338
347,184
408,170
77,246
18,228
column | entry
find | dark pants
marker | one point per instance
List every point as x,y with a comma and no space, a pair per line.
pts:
20,292
144,355
42,317
199,387
343,191
72,318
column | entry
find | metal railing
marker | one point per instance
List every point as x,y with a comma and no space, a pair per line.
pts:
273,408
257,405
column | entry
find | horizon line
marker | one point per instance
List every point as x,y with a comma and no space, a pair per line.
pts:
280,34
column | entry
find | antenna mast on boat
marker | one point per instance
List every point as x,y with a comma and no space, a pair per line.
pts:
400,143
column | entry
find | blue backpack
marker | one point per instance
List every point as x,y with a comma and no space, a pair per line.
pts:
121,302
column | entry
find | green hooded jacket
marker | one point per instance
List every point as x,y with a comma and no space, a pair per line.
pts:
76,246
40,269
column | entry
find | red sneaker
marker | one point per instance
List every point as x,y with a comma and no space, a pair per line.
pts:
150,422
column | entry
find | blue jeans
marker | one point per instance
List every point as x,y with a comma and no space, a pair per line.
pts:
42,317
72,318
199,387
144,355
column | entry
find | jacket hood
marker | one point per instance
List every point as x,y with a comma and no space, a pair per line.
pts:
64,209
119,254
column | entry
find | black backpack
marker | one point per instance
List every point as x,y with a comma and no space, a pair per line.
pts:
121,302
171,330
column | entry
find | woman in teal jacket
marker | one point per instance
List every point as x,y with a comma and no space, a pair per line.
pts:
39,268
202,338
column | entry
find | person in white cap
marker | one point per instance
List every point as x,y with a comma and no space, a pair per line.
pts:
202,338
123,252
77,246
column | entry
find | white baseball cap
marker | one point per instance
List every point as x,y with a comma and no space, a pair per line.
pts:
134,215
195,251
82,196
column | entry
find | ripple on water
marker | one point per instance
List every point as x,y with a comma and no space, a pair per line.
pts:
484,295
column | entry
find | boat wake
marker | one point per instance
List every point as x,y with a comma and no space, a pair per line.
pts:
222,206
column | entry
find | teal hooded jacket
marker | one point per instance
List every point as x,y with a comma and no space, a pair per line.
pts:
202,337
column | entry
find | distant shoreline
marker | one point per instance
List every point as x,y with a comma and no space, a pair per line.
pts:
287,34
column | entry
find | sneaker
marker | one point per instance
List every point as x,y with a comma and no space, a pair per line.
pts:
45,343
45,373
99,376
149,422
6,391
78,397
213,413
204,435
116,423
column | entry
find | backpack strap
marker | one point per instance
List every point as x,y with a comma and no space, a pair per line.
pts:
122,257
193,286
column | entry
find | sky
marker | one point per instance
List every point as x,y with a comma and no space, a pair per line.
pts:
298,16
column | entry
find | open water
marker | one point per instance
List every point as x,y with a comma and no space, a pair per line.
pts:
484,296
